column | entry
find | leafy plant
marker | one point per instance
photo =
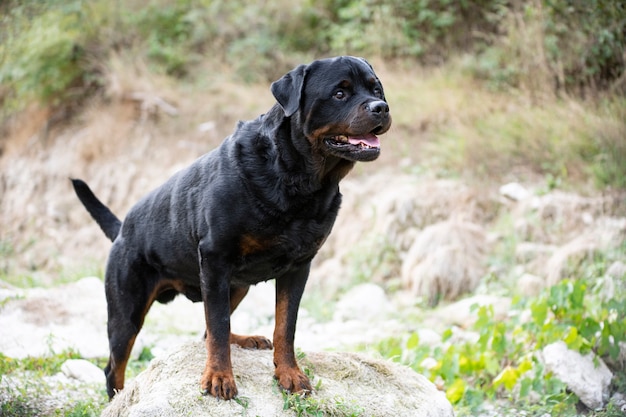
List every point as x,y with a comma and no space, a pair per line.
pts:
44,54
500,363
54,52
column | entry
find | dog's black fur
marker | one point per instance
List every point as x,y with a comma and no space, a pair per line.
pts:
258,207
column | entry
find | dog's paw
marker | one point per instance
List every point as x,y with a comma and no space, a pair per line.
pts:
251,342
219,384
293,380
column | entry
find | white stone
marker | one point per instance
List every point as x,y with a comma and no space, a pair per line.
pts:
83,370
515,191
528,251
617,270
363,302
530,285
460,312
589,382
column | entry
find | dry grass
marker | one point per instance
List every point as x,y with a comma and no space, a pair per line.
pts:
445,123
450,124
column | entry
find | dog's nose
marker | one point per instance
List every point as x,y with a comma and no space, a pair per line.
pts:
378,106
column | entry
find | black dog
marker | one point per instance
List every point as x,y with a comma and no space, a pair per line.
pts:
259,207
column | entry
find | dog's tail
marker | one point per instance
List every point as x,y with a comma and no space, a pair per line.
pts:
105,218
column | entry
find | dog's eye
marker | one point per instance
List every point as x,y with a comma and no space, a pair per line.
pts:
378,92
339,94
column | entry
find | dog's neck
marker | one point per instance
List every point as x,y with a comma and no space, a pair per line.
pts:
304,156
333,169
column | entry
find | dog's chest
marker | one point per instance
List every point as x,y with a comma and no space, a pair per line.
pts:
284,245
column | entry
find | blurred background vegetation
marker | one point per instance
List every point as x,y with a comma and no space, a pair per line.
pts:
493,90
57,53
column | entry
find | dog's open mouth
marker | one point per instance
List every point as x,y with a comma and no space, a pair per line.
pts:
364,147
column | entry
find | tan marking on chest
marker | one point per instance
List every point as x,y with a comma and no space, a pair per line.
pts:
250,244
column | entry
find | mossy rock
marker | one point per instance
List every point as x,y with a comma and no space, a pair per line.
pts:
347,384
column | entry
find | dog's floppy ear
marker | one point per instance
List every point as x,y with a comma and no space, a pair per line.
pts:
288,90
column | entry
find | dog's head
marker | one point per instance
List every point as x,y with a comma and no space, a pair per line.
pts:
341,105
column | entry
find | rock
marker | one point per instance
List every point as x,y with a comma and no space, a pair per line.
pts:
569,256
170,387
364,302
515,191
460,312
429,337
528,251
42,320
530,285
325,276
445,260
617,270
83,371
619,400
589,382
342,335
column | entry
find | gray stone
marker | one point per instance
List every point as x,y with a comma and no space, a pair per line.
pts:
528,251
40,320
363,302
530,285
460,312
617,270
589,382
171,387
83,371
515,191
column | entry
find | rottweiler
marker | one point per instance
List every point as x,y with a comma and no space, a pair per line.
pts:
258,207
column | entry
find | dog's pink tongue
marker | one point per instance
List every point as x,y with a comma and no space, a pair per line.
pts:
369,139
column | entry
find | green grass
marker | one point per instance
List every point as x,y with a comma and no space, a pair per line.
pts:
28,391
45,365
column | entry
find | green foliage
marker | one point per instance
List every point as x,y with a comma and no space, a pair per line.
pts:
19,406
54,51
169,33
46,365
563,314
309,406
557,46
43,54
29,396
500,364
400,28
81,409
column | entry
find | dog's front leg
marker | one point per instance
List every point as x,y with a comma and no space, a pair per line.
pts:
217,379
289,291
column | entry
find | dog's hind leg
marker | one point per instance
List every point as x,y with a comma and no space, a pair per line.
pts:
249,342
129,297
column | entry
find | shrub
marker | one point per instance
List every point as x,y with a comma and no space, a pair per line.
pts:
556,47
45,55
501,363
51,50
